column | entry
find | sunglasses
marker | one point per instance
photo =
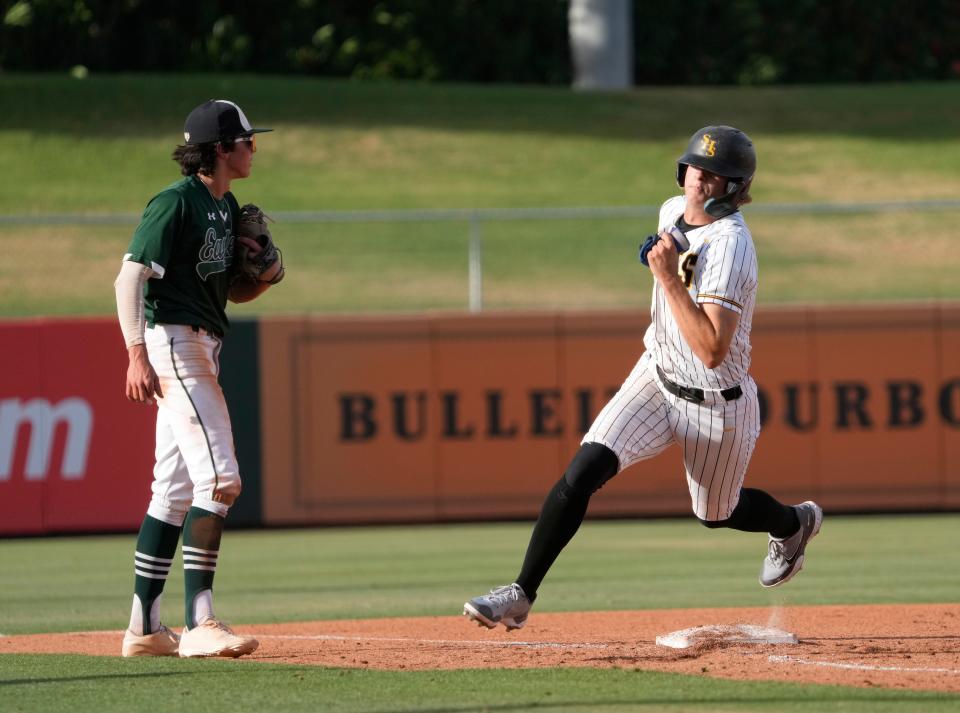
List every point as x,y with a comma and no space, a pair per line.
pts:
252,140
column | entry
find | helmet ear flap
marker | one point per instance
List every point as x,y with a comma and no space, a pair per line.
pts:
738,192
681,173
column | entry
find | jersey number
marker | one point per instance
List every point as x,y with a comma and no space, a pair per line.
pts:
687,263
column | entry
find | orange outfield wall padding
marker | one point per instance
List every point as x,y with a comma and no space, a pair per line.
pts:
442,417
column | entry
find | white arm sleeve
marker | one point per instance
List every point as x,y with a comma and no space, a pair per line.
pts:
129,289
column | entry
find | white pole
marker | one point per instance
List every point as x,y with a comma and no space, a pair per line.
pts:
601,43
475,265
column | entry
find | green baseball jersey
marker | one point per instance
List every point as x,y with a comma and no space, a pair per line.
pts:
186,237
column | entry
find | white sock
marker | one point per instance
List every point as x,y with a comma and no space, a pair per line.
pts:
203,606
136,615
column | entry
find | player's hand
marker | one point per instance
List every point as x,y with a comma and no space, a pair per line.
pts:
664,259
142,380
254,246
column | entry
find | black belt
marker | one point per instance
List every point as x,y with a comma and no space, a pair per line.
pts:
692,393
197,327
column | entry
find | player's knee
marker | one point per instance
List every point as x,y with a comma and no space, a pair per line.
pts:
227,494
714,524
736,516
219,496
170,512
592,466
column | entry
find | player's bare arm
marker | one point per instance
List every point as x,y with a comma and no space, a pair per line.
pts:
707,328
142,381
247,291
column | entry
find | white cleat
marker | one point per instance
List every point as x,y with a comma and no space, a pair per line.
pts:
507,605
785,556
160,643
214,638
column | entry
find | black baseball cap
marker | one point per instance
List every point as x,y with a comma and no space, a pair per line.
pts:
217,120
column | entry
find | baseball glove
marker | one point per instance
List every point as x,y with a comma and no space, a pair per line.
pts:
252,224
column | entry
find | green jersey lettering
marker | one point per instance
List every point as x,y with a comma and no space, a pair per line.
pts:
186,237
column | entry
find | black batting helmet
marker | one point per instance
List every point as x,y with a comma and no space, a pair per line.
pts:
724,151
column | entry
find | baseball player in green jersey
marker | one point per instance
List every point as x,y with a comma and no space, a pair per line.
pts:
172,290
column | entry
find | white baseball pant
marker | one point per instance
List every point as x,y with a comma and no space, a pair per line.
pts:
717,437
196,462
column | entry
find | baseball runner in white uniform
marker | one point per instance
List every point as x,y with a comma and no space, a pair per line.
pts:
179,272
691,386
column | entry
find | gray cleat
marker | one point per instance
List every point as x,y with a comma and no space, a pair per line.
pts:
785,556
508,605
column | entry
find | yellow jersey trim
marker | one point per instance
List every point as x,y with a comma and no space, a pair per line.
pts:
722,299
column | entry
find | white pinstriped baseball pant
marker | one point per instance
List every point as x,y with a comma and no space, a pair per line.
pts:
643,419
196,462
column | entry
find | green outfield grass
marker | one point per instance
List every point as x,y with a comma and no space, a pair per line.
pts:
84,583
578,264
103,145
292,575
67,684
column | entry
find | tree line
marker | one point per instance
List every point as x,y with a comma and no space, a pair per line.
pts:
712,42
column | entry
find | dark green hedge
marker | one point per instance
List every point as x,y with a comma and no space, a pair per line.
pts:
800,41
524,41
466,40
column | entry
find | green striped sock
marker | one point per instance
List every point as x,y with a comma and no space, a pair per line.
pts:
201,545
156,547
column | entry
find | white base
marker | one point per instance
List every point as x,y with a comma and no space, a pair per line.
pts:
727,634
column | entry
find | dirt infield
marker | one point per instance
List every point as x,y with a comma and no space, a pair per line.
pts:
893,646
